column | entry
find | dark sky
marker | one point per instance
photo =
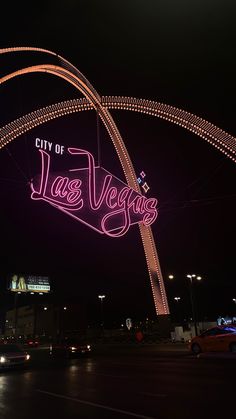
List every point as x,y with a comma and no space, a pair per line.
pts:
180,53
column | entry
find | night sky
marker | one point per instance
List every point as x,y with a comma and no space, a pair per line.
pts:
179,53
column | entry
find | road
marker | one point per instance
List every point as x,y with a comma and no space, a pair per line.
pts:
123,382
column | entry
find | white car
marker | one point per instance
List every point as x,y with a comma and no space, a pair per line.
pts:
12,355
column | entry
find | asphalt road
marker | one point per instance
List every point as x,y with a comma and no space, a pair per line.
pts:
121,382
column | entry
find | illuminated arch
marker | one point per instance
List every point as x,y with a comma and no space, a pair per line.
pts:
69,73
220,139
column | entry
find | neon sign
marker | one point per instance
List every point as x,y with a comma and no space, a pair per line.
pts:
92,195
143,183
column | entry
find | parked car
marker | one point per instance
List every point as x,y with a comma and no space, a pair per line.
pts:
215,339
12,355
70,348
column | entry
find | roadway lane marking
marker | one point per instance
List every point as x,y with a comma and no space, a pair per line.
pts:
101,406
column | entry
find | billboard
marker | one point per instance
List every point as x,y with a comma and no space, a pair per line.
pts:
29,283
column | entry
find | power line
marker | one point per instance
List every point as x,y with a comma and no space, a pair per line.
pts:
17,165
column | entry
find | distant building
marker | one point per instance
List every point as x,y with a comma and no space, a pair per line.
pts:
23,321
48,322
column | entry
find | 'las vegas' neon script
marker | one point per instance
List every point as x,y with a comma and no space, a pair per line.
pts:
93,196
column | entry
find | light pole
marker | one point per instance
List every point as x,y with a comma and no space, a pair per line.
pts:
178,316
101,297
198,278
192,277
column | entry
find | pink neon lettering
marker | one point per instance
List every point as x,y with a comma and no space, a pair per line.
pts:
111,194
124,195
138,204
56,190
95,205
151,214
75,191
59,186
121,207
123,229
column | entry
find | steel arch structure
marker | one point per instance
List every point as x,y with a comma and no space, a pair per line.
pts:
72,75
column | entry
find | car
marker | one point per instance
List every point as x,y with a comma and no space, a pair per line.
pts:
70,348
12,355
32,343
215,339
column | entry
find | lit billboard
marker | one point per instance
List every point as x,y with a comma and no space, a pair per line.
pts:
29,283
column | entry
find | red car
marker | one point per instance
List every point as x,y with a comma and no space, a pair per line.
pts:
70,348
215,339
32,343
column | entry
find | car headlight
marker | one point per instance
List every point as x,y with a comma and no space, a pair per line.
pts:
27,357
2,359
73,348
88,346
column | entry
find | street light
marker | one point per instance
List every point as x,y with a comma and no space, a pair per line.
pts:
198,278
177,299
192,278
101,297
